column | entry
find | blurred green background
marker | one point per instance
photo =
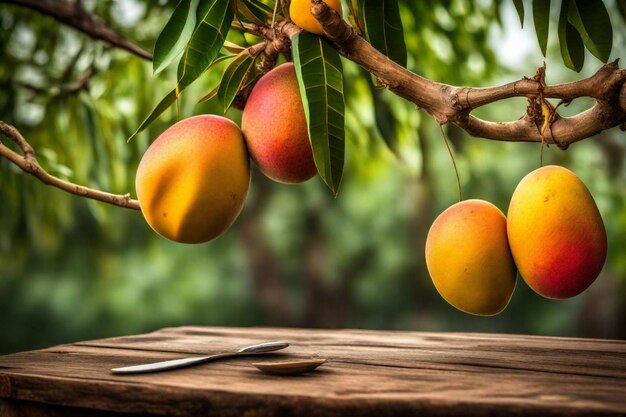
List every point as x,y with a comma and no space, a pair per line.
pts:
74,269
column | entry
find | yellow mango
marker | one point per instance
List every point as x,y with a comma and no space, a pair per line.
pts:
193,179
468,258
300,13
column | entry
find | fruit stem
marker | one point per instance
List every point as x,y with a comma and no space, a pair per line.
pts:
456,170
274,14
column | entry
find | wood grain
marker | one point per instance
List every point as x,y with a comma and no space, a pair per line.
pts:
369,373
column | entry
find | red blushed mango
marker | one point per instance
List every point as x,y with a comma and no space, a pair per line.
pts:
468,258
193,179
275,127
556,233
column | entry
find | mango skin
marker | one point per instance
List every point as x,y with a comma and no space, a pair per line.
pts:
300,13
193,179
469,260
556,233
275,128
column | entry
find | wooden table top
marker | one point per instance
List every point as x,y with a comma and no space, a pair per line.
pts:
369,373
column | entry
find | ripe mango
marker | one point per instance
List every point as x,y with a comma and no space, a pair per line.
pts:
300,13
468,258
193,179
275,127
556,233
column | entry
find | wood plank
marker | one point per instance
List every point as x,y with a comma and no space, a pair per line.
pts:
369,373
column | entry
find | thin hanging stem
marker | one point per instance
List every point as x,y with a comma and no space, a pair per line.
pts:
541,150
275,12
456,170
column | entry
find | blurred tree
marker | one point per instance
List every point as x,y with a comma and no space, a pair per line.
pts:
72,268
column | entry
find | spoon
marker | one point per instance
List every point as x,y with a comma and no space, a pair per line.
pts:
195,360
294,367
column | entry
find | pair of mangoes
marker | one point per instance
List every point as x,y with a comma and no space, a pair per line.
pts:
554,235
193,179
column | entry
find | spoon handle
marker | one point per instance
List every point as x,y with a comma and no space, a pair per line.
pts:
171,364
195,360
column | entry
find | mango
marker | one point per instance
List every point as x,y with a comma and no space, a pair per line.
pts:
468,258
193,179
556,233
275,128
300,13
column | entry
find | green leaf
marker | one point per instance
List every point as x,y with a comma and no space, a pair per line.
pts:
175,34
320,77
215,18
210,95
572,48
167,101
255,12
235,76
383,28
233,48
519,6
541,17
268,10
592,21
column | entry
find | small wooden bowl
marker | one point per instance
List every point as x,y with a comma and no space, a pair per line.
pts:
294,367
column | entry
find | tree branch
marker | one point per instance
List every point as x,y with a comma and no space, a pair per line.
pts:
63,90
28,163
73,14
451,104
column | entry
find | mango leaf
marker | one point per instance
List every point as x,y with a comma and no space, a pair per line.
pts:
541,17
174,35
592,21
210,95
383,28
572,48
255,12
235,76
233,48
320,77
519,7
214,20
268,10
167,101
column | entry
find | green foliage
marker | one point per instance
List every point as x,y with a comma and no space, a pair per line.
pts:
591,20
541,17
581,22
214,18
320,77
175,34
383,28
235,77
572,47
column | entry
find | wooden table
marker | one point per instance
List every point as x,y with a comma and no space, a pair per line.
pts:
370,373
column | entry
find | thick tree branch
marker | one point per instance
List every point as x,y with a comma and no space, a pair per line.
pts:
28,163
451,104
73,14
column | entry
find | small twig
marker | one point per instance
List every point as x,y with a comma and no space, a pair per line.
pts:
29,164
72,14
